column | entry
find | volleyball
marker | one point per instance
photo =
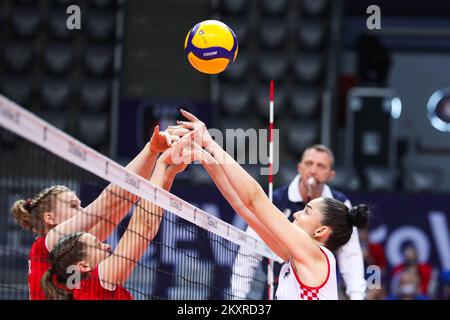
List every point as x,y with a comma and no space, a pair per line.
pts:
211,46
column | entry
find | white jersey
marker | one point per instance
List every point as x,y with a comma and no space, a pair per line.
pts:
290,286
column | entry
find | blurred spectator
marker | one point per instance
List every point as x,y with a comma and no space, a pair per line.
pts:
411,263
407,286
374,255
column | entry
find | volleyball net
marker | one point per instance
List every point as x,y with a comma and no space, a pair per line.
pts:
191,254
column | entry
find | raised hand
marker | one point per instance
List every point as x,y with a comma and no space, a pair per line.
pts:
160,140
186,151
195,152
202,135
177,131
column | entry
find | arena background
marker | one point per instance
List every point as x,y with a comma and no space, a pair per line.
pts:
365,93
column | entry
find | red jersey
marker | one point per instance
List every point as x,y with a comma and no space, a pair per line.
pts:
37,265
91,289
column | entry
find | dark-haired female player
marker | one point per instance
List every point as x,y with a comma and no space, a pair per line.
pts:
305,244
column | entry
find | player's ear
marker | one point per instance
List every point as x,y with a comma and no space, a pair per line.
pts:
321,232
49,218
84,266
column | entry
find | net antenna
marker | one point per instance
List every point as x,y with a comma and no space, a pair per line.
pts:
270,275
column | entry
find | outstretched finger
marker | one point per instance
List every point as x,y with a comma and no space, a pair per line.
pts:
173,138
177,130
186,124
189,115
189,136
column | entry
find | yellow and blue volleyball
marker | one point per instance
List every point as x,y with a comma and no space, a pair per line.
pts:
211,46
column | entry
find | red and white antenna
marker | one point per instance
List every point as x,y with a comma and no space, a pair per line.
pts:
270,276
271,104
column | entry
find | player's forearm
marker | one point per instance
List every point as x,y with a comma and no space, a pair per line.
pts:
144,162
224,186
103,215
142,228
115,201
168,181
106,227
222,183
146,220
131,247
143,165
245,186
159,174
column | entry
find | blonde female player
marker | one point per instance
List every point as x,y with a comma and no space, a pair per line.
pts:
305,244
57,204
102,273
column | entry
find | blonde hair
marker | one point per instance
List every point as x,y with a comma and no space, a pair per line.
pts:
29,213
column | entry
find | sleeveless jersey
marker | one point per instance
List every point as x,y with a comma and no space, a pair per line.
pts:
91,289
290,286
37,265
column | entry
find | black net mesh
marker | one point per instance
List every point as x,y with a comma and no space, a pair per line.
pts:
182,261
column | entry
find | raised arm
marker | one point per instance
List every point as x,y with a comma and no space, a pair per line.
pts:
297,241
118,202
102,216
215,172
141,230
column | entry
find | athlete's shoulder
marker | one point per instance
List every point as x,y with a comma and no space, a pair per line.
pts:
89,285
91,289
93,278
38,247
327,252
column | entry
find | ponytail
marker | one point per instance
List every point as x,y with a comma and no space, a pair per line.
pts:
358,215
67,252
51,291
22,215
341,220
29,213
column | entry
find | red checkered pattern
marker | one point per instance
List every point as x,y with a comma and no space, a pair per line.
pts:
308,294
